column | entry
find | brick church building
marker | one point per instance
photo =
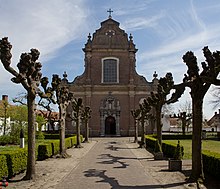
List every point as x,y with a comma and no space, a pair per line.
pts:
110,84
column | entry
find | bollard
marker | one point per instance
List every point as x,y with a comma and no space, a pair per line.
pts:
21,138
3,183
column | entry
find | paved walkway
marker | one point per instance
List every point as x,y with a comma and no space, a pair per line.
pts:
119,163
106,163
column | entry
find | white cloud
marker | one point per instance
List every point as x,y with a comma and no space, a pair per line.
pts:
52,24
177,45
142,22
195,16
45,25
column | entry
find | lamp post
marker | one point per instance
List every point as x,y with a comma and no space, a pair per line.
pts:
5,106
21,138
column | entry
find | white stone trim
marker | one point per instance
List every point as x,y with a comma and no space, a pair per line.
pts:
117,60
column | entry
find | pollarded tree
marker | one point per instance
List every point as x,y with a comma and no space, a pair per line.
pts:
158,99
29,76
47,99
136,114
199,83
144,115
63,99
185,120
76,115
85,116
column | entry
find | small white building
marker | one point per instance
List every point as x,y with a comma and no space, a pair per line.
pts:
214,122
2,124
4,121
166,123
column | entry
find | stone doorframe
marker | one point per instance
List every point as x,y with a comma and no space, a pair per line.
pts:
109,107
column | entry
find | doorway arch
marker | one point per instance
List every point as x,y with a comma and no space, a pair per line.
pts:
110,126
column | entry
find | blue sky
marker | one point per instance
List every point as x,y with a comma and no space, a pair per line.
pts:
163,30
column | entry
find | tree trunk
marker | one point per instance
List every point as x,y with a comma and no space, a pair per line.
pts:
197,167
62,131
142,144
30,173
135,131
86,131
184,125
78,141
159,125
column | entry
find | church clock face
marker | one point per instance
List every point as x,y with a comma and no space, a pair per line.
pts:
110,33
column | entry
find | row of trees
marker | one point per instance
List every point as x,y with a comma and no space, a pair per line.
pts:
30,77
154,102
199,83
59,94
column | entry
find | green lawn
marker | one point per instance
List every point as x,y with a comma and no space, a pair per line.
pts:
210,145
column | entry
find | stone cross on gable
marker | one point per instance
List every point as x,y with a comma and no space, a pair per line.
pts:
110,11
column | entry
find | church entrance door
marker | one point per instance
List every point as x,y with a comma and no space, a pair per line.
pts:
110,126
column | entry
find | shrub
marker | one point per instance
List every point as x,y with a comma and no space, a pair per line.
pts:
168,149
150,141
55,147
56,136
16,161
40,135
3,166
211,163
52,147
218,135
68,143
157,146
176,137
44,151
6,139
178,153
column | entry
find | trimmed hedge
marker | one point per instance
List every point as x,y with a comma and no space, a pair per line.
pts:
176,137
218,135
14,162
3,166
44,151
55,147
52,147
168,149
55,136
150,141
6,139
211,160
211,163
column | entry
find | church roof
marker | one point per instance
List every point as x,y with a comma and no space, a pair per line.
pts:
109,21
110,36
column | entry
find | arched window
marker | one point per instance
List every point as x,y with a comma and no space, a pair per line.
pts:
110,70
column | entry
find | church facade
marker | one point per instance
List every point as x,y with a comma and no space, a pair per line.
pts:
110,85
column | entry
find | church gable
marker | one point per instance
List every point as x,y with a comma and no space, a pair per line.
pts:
110,36
110,84
110,58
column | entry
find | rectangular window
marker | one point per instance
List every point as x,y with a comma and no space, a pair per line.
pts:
110,71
